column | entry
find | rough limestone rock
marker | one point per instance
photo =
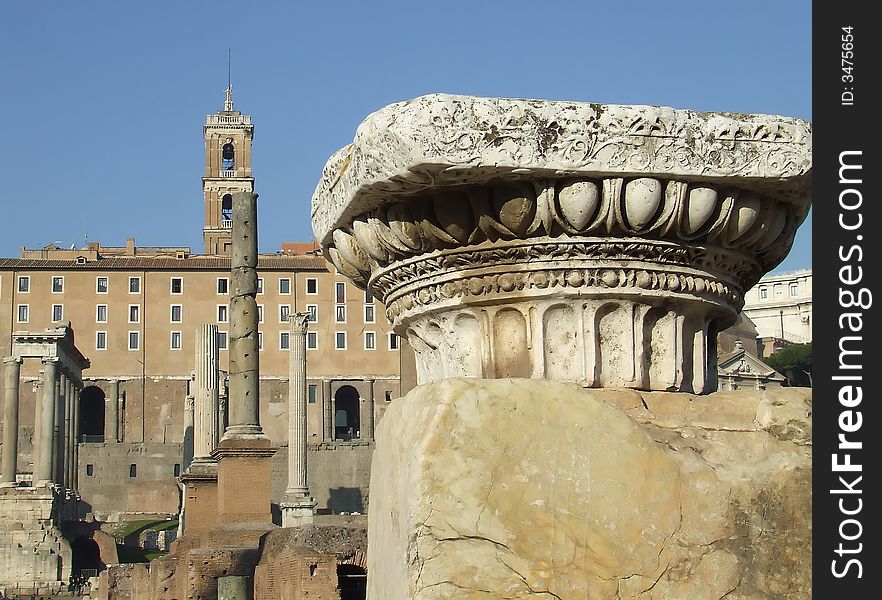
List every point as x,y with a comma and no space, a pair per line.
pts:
516,488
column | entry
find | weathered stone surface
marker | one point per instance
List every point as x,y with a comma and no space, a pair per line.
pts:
525,238
443,140
518,488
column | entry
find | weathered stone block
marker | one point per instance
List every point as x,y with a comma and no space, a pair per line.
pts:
518,488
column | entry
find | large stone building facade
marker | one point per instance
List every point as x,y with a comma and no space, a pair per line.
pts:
135,312
780,306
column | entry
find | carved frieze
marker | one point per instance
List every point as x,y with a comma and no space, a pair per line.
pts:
450,209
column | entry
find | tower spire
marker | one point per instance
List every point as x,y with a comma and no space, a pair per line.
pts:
228,103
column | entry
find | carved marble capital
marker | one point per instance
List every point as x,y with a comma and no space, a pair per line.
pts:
527,238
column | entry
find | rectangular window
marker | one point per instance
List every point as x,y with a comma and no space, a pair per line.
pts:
24,284
284,340
134,313
260,340
222,314
260,285
370,340
340,292
175,340
260,313
177,285
177,470
794,289
284,286
368,297
57,285
393,341
312,393
312,310
177,313
24,312
340,315
134,340
764,293
369,313
100,340
312,286
223,285
222,340
57,313
90,470
340,340
133,470
101,285
101,313
134,285
311,340
284,311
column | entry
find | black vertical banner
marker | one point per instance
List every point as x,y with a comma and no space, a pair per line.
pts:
847,423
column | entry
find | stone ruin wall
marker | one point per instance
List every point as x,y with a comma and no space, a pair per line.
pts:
536,254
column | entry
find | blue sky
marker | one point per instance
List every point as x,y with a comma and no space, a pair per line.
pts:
104,101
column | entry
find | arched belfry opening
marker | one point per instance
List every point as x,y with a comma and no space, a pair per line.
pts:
347,422
227,208
85,557
228,157
92,413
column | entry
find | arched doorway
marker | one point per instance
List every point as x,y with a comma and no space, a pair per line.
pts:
347,421
85,557
92,414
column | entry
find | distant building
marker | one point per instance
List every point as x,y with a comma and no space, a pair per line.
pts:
134,312
742,370
781,308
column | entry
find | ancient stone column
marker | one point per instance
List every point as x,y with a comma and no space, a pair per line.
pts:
244,401
189,423
596,245
67,459
298,506
205,431
43,469
11,377
75,431
58,441
244,450
367,428
328,406
111,423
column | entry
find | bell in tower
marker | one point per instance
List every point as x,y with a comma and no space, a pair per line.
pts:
228,135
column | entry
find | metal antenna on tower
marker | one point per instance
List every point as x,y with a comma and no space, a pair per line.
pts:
228,103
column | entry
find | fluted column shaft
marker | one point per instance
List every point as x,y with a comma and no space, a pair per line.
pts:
205,427
329,410
58,429
244,401
12,374
75,432
67,461
297,404
111,424
43,469
368,426
189,425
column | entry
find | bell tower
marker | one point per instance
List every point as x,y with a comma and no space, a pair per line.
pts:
228,136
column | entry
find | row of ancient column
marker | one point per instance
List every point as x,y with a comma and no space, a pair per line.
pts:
56,424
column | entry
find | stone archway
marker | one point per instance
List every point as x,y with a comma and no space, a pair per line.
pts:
85,556
352,575
92,400
347,420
